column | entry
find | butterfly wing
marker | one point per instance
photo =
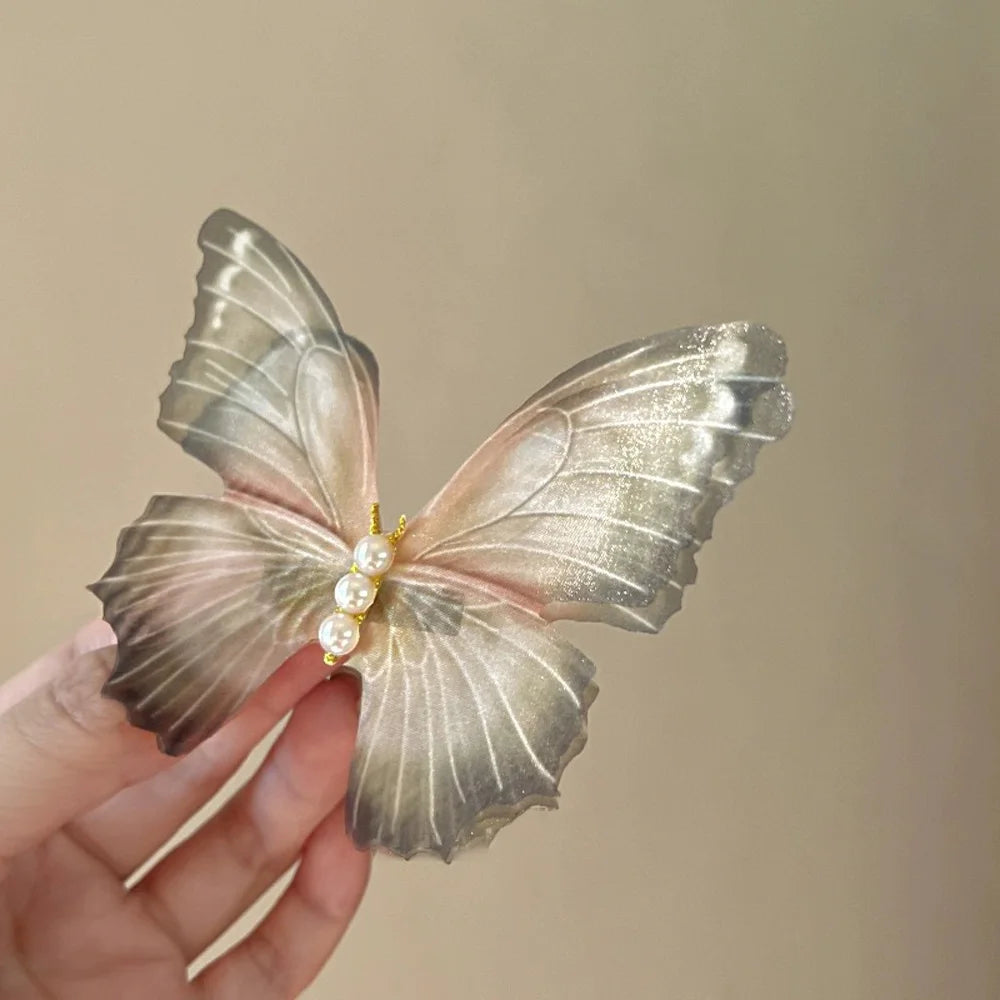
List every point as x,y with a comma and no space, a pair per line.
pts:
208,597
270,392
591,500
472,706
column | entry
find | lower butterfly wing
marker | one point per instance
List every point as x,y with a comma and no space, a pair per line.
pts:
208,598
471,707
591,500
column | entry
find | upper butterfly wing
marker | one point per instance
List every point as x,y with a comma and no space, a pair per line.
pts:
472,706
207,599
270,392
591,499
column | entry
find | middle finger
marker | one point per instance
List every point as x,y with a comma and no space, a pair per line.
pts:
200,888
131,826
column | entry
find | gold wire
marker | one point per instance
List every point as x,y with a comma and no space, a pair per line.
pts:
399,532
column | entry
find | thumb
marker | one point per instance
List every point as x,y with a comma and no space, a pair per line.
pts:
63,747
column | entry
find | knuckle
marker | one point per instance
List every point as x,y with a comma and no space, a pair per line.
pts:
146,906
269,965
247,845
207,767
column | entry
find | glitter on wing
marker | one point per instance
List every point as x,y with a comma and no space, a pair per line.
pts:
589,502
593,497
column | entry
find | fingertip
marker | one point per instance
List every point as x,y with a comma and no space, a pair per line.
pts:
96,634
307,660
76,693
321,732
348,686
331,706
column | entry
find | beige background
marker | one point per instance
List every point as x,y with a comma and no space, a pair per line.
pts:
792,792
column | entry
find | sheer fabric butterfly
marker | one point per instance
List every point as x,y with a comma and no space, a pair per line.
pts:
589,502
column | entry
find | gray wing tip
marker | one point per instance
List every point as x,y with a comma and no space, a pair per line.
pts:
768,349
172,739
173,745
781,411
754,329
759,332
766,362
221,220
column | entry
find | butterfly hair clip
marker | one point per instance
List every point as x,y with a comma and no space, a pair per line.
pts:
588,503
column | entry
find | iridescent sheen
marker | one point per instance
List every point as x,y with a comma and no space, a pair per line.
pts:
589,502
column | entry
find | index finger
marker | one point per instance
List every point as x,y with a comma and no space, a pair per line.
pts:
63,747
93,635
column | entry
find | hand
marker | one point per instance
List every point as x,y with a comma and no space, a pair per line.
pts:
85,799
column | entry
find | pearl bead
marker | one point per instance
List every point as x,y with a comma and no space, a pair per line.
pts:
339,634
354,593
373,555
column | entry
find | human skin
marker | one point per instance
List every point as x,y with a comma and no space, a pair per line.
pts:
85,799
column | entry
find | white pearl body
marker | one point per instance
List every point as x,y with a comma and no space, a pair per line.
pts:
373,555
354,593
339,633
